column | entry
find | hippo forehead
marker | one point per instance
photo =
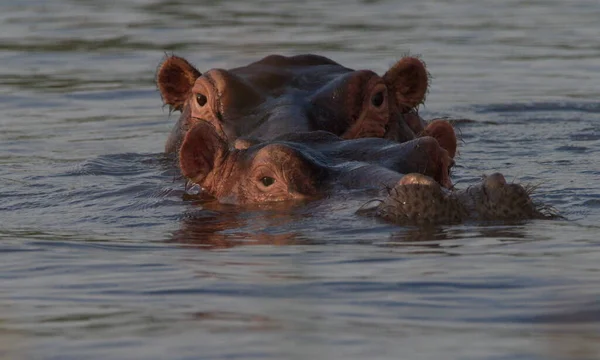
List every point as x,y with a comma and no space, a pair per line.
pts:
289,156
278,74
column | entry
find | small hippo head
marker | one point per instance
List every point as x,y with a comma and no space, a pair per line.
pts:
279,95
261,173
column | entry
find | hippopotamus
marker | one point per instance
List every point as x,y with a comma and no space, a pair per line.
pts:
305,165
278,95
412,176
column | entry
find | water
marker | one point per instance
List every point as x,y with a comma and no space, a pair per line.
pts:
101,257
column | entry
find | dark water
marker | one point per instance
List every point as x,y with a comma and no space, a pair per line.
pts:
101,257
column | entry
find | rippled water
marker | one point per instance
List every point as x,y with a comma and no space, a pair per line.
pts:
102,257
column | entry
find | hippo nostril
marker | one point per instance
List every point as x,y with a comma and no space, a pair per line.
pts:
417,179
377,99
496,180
201,99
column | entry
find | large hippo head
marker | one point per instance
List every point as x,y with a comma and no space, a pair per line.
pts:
303,165
279,95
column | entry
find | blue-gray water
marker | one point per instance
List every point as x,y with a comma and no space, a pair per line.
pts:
102,258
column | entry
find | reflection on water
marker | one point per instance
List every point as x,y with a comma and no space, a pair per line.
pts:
102,252
573,333
219,230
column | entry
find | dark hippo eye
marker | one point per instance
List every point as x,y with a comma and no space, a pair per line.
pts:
201,99
377,99
267,181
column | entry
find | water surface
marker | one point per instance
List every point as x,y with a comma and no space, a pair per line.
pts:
102,257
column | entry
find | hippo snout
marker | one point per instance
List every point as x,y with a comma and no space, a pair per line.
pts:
418,199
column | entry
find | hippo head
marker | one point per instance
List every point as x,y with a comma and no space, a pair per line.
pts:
262,173
304,165
279,95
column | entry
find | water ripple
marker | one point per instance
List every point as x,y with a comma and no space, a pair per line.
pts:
103,256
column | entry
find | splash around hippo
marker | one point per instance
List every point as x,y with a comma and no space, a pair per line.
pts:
279,95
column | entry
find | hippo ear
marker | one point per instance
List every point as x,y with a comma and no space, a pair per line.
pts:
175,78
201,151
407,82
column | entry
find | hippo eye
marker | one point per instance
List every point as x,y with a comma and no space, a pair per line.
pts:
201,99
267,181
377,99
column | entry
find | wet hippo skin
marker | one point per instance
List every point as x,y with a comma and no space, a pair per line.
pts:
279,95
304,165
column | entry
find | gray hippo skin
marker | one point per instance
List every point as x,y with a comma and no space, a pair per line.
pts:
279,95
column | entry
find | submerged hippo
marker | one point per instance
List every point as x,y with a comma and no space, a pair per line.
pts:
279,95
309,165
304,165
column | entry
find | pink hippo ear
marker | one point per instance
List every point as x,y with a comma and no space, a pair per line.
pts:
407,82
202,149
175,78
